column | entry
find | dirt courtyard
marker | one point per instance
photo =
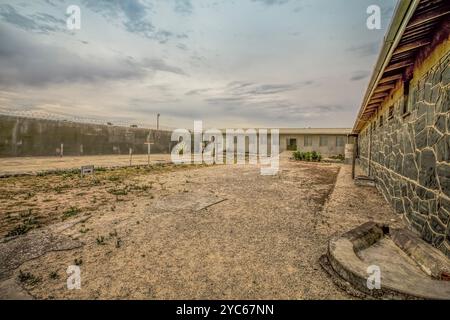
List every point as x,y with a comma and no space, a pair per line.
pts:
189,232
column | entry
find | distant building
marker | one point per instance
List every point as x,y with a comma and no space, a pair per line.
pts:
403,124
328,142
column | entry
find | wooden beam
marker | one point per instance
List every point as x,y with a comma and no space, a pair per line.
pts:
376,101
379,95
395,77
424,18
384,88
399,65
411,46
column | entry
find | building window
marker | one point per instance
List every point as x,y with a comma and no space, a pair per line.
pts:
391,112
340,141
323,141
308,141
292,144
407,97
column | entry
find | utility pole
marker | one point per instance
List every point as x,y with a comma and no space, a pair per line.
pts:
157,121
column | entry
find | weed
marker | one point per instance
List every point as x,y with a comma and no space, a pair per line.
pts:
27,224
78,262
101,240
29,195
113,234
72,211
84,230
338,157
26,213
28,278
114,178
54,275
118,192
19,230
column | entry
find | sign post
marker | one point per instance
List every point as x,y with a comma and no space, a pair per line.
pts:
87,170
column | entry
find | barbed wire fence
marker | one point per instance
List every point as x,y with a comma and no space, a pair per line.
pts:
37,114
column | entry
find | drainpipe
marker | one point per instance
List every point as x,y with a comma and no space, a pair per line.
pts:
355,150
370,149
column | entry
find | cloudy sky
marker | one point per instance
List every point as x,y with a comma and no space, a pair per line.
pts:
230,63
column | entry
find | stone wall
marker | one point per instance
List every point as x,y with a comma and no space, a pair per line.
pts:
409,155
37,137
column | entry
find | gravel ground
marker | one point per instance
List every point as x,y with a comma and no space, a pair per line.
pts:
221,232
32,165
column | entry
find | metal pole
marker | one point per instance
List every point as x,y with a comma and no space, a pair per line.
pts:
353,162
131,155
148,153
157,121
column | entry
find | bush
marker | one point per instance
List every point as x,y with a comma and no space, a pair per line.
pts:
338,157
307,156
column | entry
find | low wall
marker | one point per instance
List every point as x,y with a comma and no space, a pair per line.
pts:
39,137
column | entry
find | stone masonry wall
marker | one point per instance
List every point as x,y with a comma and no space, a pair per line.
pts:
410,156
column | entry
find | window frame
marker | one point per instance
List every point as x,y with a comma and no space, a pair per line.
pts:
340,138
391,112
309,139
325,139
406,108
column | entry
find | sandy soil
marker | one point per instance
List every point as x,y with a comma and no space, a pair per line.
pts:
220,232
31,165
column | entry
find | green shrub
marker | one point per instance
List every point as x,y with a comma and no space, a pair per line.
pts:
338,157
307,156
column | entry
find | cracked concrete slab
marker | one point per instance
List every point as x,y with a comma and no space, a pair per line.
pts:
17,250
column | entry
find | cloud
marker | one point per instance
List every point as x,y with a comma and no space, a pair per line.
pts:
183,7
365,50
135,17
248,89
271,2
39,22
161,65
25,61
359,75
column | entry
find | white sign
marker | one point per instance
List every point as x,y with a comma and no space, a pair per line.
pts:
87,170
